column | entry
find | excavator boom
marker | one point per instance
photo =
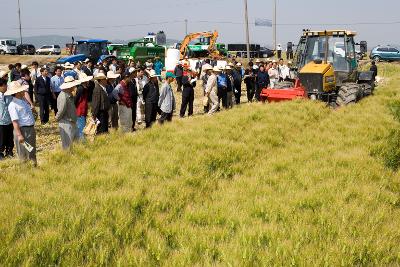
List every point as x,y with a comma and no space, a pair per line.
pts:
192,36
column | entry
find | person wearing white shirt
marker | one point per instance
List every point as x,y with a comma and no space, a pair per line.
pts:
23,122
283,71
273,74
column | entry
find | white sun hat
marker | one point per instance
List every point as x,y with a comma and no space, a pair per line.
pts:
68,66
69,82
216,69
24,67
3,73
100,76
207,67
152,74
15,87
84,78
112,75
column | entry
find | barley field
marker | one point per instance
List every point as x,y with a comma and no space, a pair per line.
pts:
287,184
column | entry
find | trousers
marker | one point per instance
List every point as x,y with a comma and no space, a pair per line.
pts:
213,99
150,116
6,140
187,101
125,118
113,115
29,135
68,132
44,102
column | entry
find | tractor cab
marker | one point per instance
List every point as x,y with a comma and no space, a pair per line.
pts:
335,48
82,49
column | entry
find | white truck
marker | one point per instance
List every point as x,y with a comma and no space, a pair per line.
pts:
8,46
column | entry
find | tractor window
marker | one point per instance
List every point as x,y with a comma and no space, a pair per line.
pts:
316,49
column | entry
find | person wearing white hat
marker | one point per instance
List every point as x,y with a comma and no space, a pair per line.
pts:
6,127
69,70
66,115
206,70
100,103
88,67
113,111
151,94
212,90
23,122
82,103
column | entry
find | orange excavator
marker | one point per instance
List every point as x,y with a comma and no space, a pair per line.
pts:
212,51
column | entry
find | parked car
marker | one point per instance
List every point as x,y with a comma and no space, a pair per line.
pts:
8,46
26,49
386,53
49,50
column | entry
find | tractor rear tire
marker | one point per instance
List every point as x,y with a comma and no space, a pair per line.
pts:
349,93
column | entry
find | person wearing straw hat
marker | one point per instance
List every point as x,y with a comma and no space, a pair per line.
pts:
100,103
151,94
82,103
206,73
212,90
66,115
6,127
23,122
166,102
69,70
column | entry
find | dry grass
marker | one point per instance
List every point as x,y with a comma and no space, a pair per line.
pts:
292,183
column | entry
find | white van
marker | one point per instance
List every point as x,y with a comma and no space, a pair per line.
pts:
8,46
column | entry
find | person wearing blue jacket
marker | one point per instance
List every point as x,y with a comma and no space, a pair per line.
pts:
222,89
158,67
262,81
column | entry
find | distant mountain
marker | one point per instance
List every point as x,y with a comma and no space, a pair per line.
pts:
61,40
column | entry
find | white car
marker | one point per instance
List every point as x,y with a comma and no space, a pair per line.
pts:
8,47
49,50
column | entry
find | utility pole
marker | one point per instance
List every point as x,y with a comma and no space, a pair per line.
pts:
246,22
274,30
20,27
186,27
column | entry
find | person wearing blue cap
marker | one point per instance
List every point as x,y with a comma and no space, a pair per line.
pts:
166,101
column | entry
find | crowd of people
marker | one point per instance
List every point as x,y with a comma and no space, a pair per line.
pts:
118,95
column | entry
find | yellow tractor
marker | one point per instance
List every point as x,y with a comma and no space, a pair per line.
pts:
327,70
328,67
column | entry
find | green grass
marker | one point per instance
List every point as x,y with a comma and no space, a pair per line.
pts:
294,183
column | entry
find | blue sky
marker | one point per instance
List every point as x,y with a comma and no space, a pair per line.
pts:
110,19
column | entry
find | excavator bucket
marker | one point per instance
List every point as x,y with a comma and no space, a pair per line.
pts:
284,91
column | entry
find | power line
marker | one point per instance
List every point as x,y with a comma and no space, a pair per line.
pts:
203,21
